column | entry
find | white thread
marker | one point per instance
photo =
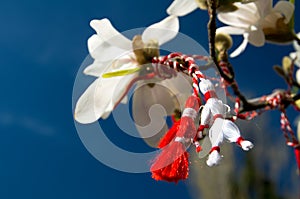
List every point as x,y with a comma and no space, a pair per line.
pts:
228,108
196,87
180,139
189,59
189,112
197,72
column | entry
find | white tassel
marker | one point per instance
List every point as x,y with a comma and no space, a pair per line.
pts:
214,158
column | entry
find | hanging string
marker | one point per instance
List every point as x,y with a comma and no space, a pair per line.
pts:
172,163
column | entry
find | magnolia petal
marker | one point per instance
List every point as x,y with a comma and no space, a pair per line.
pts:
150,106
296,56
232,20
103,51
109,34
297,61
264,7
241,48
101,97
85,111
162,31
270,21
182,7
106,115
124,100
93,42
179,87
152,103
123,83
99,67
97,100
247,10
295,43
256,37
230,30
243,17
286,8
293,55
298,76
105,91
96,68
122,87
115,89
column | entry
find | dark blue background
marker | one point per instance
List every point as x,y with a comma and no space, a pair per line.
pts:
42,45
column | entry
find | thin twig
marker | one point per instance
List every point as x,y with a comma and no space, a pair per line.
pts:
257,103
247,105
211,27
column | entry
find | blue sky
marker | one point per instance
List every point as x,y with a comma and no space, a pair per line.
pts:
42,46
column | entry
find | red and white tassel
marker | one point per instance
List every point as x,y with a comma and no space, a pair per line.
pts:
170,135
297,156
172,163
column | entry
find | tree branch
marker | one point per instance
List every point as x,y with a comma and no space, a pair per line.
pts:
211,27
221,58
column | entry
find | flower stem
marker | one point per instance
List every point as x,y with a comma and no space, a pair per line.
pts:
292,21
211,27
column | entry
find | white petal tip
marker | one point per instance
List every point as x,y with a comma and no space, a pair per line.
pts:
182,7
96,22
84,120
162,31
286,8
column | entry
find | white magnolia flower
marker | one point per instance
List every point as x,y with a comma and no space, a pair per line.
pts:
296,55
298,76
257,22
184,7
108,44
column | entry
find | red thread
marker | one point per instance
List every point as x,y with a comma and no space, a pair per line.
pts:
172,163
218,116
202,127
210,94
240,140
297,155
198,149
170,135
215,148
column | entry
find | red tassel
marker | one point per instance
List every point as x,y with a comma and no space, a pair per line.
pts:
170,135
172,163
239,140
297,155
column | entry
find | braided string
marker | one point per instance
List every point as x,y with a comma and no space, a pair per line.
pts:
187,64
181,63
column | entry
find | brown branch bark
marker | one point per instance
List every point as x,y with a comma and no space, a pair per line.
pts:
247,104
211,27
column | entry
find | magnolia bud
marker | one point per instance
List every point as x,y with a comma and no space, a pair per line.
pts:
202,4
144,52
223,41
286,64
281,33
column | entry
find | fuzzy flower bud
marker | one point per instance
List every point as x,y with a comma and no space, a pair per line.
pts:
223,42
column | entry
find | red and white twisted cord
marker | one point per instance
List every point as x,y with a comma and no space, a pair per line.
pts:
181,63
288,132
